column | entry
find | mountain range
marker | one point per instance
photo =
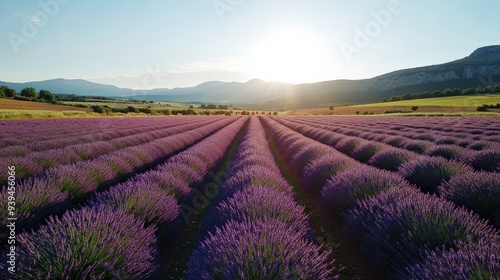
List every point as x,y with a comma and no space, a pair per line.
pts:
479,69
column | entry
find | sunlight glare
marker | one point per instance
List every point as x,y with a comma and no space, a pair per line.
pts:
290,55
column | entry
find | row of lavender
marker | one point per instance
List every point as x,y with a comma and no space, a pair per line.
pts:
20,132
402,231
475,189
115,234
429,128
80,133
55,190
468,146
255,229
33,163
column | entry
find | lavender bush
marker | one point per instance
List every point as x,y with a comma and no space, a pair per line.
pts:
397,227
317,172
487,160
428,173
342,192
479,261
365,151
390,159
260,203
92,243
477,191
258,250
447,151
145,201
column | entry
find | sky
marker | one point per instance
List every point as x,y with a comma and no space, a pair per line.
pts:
173,43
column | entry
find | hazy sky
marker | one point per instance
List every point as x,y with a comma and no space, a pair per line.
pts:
168,43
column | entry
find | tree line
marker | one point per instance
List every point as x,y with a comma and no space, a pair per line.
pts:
444,93
28,94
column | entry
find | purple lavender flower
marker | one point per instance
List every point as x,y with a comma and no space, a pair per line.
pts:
318,171
92,243
397,227
36,199
477,191
146,202
365,151
260,203
258,250
390,159
417,146
428,173
448,152
487,160
348,145
473,261
343,191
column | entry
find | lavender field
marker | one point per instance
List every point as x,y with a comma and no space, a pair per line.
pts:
240,197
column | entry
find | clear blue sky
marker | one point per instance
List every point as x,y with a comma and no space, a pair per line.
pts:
167,43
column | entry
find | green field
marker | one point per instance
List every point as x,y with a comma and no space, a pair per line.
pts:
452,101
42,114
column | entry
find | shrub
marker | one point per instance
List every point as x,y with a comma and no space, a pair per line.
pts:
25,167
343,191
253,175
477,191
417,146
36,198
260,203
487,160
258,250
396,141
165,180
425,136
92,243
71,179
474,261
390,159
446,140
318,171
396,228
481,145
347,145
447,151
428,173
306,155
365,151
145,201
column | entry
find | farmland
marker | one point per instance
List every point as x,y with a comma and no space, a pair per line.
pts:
466,104
240,197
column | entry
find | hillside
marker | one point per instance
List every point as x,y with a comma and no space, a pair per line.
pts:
480,69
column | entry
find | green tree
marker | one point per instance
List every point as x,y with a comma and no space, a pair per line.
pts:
132,109
46,95
10,92
2,91
414,108
29,92
102,109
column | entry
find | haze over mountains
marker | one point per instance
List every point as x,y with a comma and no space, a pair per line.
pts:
480,69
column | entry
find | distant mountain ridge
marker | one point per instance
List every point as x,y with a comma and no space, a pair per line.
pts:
480,69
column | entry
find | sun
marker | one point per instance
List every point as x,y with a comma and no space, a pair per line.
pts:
290,55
